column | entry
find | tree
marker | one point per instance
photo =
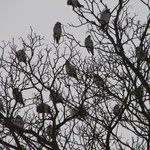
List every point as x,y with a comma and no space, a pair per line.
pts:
107,106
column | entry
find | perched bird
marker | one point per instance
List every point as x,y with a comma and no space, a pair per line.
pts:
71,70
79,112
1,106
89,44
21,56
23,148
57,31
98,80
43,108
55,96
140,54
69,2
116,109
138,51
73,111
18,121
49,130
139,92
18,96
74,3
105,16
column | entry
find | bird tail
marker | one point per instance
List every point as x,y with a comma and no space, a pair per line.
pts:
25,62
92,52
22,103
76,78
57,40
3,110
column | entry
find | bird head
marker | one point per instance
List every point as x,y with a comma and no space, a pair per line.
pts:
95,75
67,62
69,2
38,108
18,117
58,23
116,108
107,10
15,90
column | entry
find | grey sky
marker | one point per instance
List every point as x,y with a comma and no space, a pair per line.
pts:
18,15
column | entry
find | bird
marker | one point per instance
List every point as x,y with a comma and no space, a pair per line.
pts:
18,121
23,148
105,16
79,112
139,92
43,108
74,3
89,44
71,70
55,96
57,31
21,56
69,2
49,130
1,106
140,54
73,111
17,95
98,80
116,109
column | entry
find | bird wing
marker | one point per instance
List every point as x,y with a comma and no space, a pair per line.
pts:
57,30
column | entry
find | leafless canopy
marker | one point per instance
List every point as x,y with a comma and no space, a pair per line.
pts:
107,105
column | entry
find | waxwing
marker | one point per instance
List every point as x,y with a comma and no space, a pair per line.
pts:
57,31
69,2
73,111
89,44
55,96
98,80
139,92
71,70
49,130
43,108
17,95
105,16
140,54
18,121
74,3
116,109
79,112
23,148
21,56
1,106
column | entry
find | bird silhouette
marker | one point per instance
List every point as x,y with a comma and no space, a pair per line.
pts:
43,108
21,56
89,44
57,31
71,70
17,95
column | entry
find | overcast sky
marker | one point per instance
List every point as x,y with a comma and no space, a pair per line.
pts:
16,16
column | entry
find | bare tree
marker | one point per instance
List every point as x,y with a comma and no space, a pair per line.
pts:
59,98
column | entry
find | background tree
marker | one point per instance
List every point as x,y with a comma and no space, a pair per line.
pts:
99,102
